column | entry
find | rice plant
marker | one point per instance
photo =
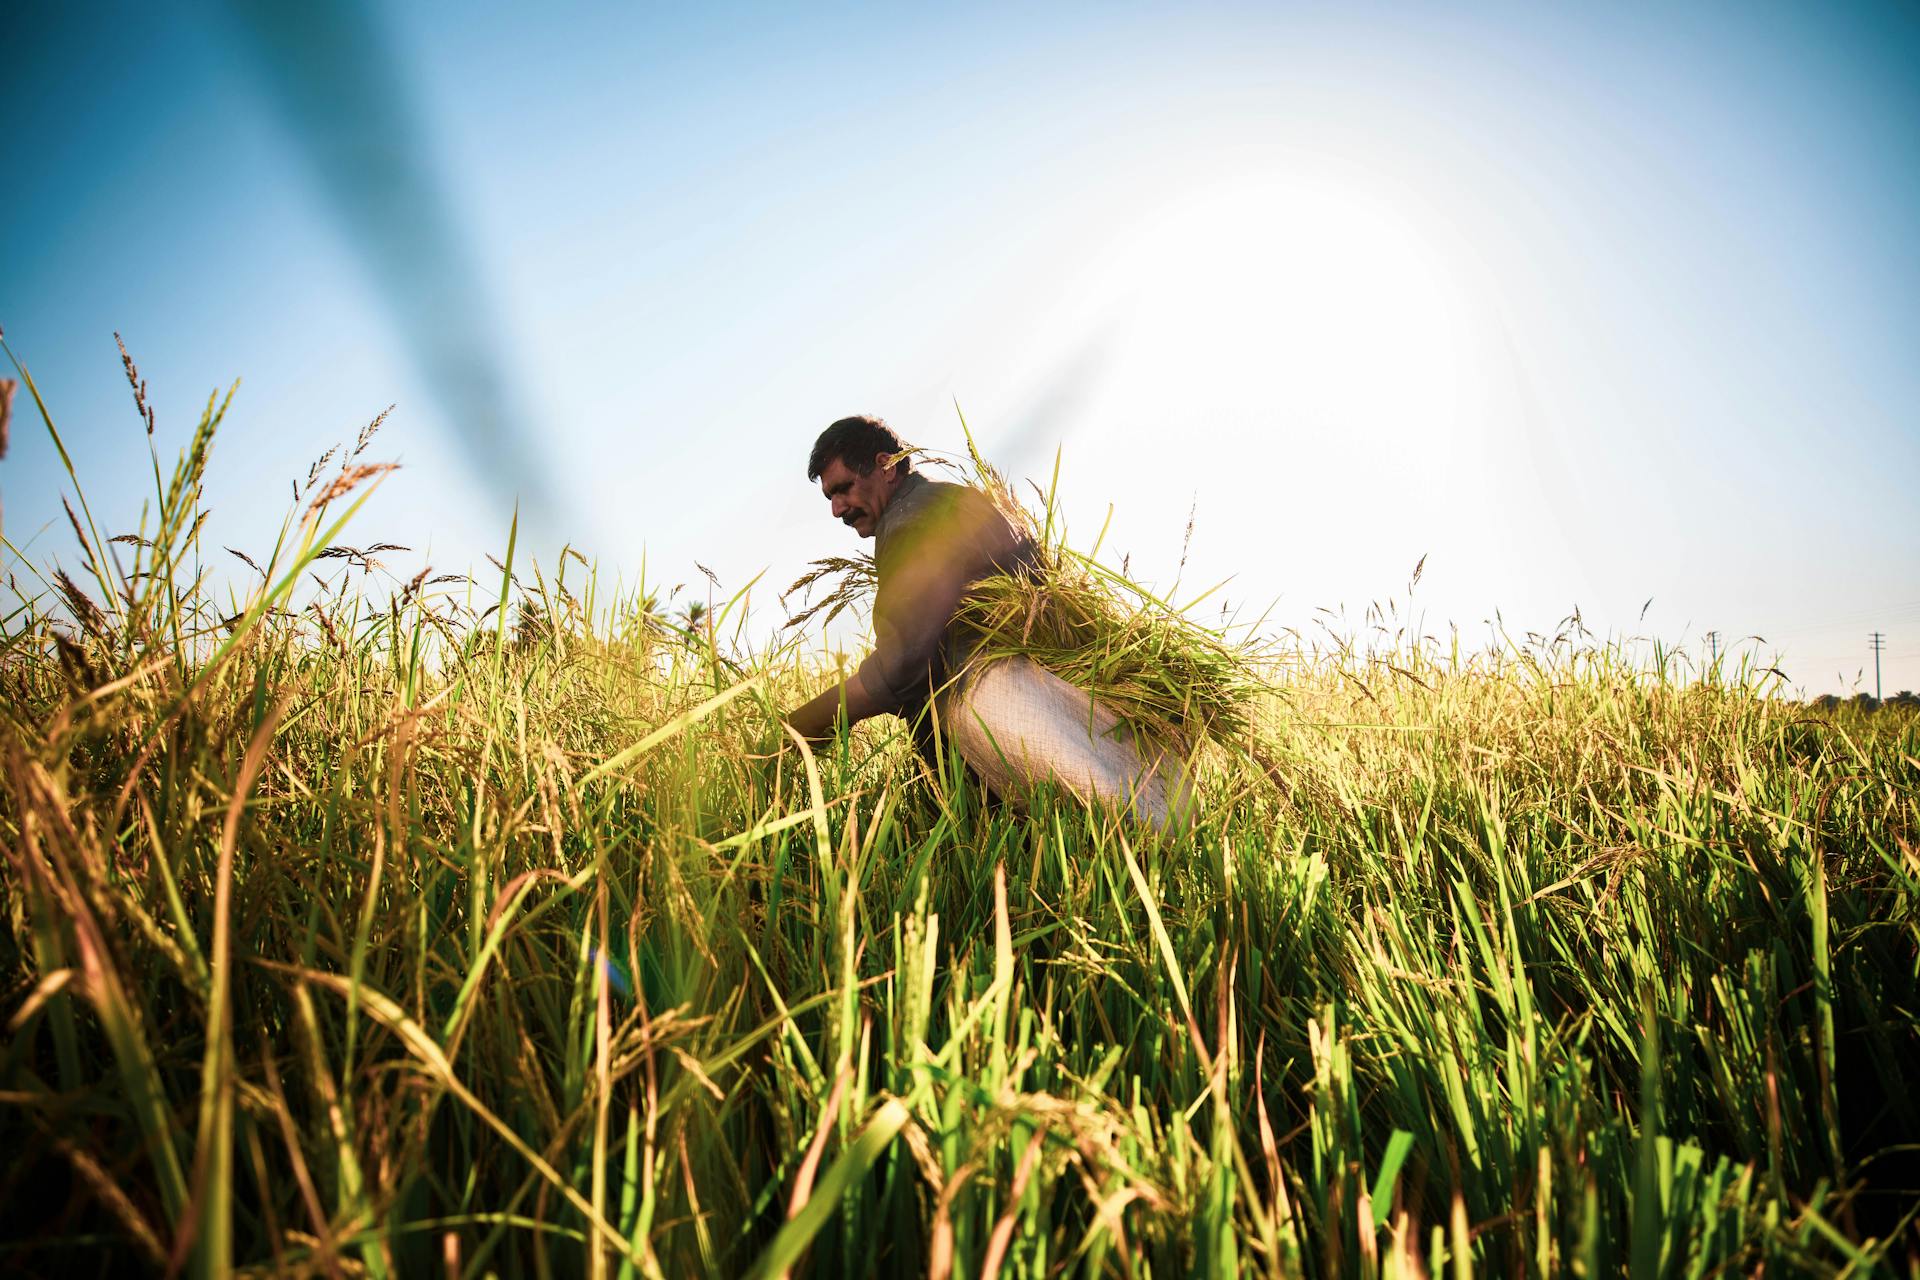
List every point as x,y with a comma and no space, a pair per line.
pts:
379,922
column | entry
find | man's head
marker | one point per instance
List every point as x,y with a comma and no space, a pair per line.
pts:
859,462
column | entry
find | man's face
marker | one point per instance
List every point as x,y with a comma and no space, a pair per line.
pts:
857,499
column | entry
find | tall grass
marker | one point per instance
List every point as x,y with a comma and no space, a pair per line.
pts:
480,930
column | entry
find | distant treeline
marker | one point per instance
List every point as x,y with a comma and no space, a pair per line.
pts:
1905,700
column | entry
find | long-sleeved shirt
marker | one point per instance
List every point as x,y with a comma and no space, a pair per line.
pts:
933,541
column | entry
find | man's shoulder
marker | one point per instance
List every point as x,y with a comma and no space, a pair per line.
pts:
925,488
942,504
935,513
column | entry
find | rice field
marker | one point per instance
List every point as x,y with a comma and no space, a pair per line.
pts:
359,925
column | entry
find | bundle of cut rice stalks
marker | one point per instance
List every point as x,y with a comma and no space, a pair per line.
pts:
1158,671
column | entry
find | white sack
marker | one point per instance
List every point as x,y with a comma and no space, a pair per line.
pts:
1018,724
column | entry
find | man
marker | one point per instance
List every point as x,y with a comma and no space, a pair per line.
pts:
932,541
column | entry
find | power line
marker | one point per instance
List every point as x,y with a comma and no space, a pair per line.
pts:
1841,622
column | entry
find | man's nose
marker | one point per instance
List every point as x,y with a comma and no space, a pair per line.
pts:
840,505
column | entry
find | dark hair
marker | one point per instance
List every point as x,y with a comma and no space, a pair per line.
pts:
858,442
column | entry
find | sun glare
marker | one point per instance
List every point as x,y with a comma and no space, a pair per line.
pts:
1299,315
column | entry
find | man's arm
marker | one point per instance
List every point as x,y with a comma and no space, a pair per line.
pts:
923,576
926,573
910,612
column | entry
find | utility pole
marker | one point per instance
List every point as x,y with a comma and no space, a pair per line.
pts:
1713,644
1878,643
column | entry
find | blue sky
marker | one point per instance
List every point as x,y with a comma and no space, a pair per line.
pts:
1587,305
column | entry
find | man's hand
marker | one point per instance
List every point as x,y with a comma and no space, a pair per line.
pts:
815,719
820,717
